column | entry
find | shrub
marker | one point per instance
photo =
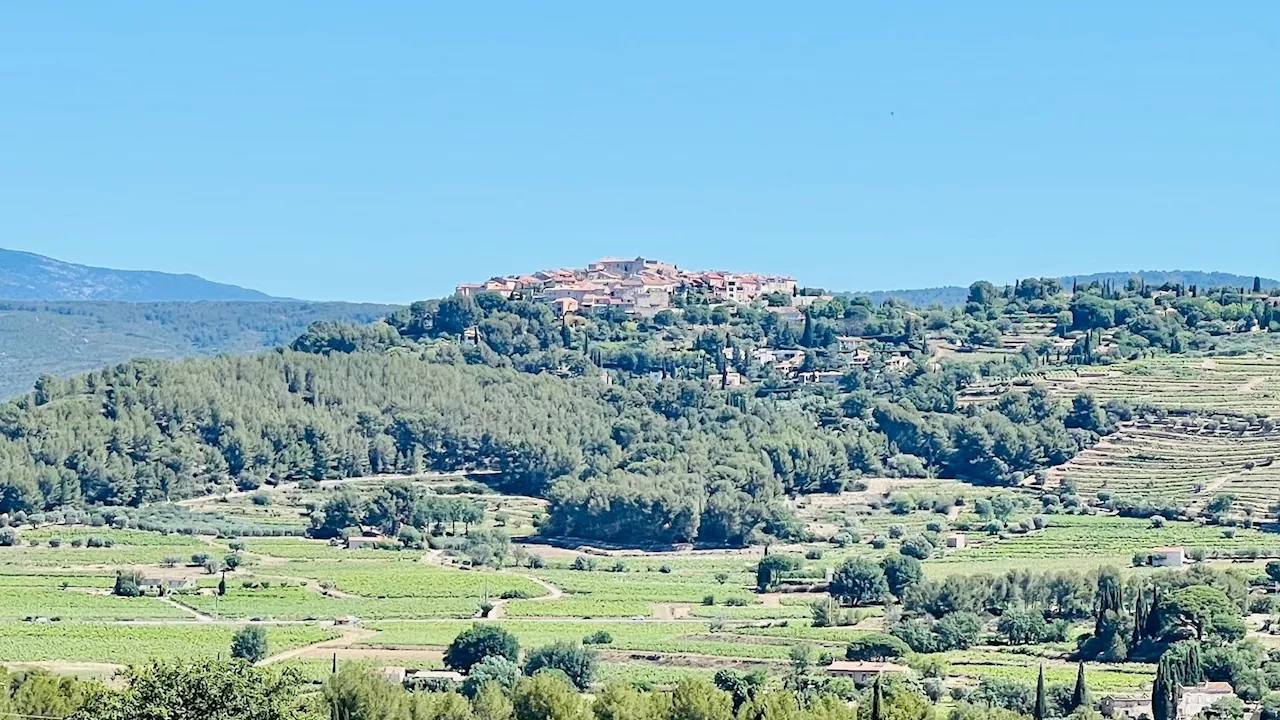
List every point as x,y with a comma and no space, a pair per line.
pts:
260,498
813,554
735,602
708,600
599,637
584,563
917,546
876,646
479,642
493,669
665,569
250,644
9,537
128,583
575,661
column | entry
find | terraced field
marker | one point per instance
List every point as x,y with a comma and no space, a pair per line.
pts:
1245,384
1075,541
1170,460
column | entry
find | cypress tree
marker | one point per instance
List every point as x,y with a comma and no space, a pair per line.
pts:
877,702
1139,618
1080,695
1152,620
1041,710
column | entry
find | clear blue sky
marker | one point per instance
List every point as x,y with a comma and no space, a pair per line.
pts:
387,151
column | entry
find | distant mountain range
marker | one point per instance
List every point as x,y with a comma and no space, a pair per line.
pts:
27,276
952,295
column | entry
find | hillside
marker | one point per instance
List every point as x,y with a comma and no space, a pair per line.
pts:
1185,278
955,295
74,337
28,276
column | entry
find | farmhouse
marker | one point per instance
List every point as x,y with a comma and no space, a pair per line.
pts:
864,673
1194,698
356,542
1130,708
1168,557
168,584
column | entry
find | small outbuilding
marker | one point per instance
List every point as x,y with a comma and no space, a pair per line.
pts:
1174,557
864,673
957,541
1126,708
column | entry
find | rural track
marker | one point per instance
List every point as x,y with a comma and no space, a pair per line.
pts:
349,637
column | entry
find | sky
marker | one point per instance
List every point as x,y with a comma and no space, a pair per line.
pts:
387,151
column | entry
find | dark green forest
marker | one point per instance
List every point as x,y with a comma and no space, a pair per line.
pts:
67,338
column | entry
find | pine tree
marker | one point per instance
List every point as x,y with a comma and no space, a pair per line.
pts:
1041,710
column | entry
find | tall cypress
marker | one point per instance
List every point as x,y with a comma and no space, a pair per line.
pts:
1139,618
1153,625
1042,703
1080,695
877,702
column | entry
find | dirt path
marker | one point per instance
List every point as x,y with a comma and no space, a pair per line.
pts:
188,610
383,655
79,669
350,636
1252,385
498,610
553,592
771,600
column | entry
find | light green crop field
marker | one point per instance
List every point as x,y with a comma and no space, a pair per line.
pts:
298,603
643,674
302,549
54,580
1091,540
651,636
22,602
682,584
131,644
407,578
577,607
43,556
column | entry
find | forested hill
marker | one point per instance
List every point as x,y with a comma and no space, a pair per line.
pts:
953,295
27,276
1186,278
639,459
75,337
